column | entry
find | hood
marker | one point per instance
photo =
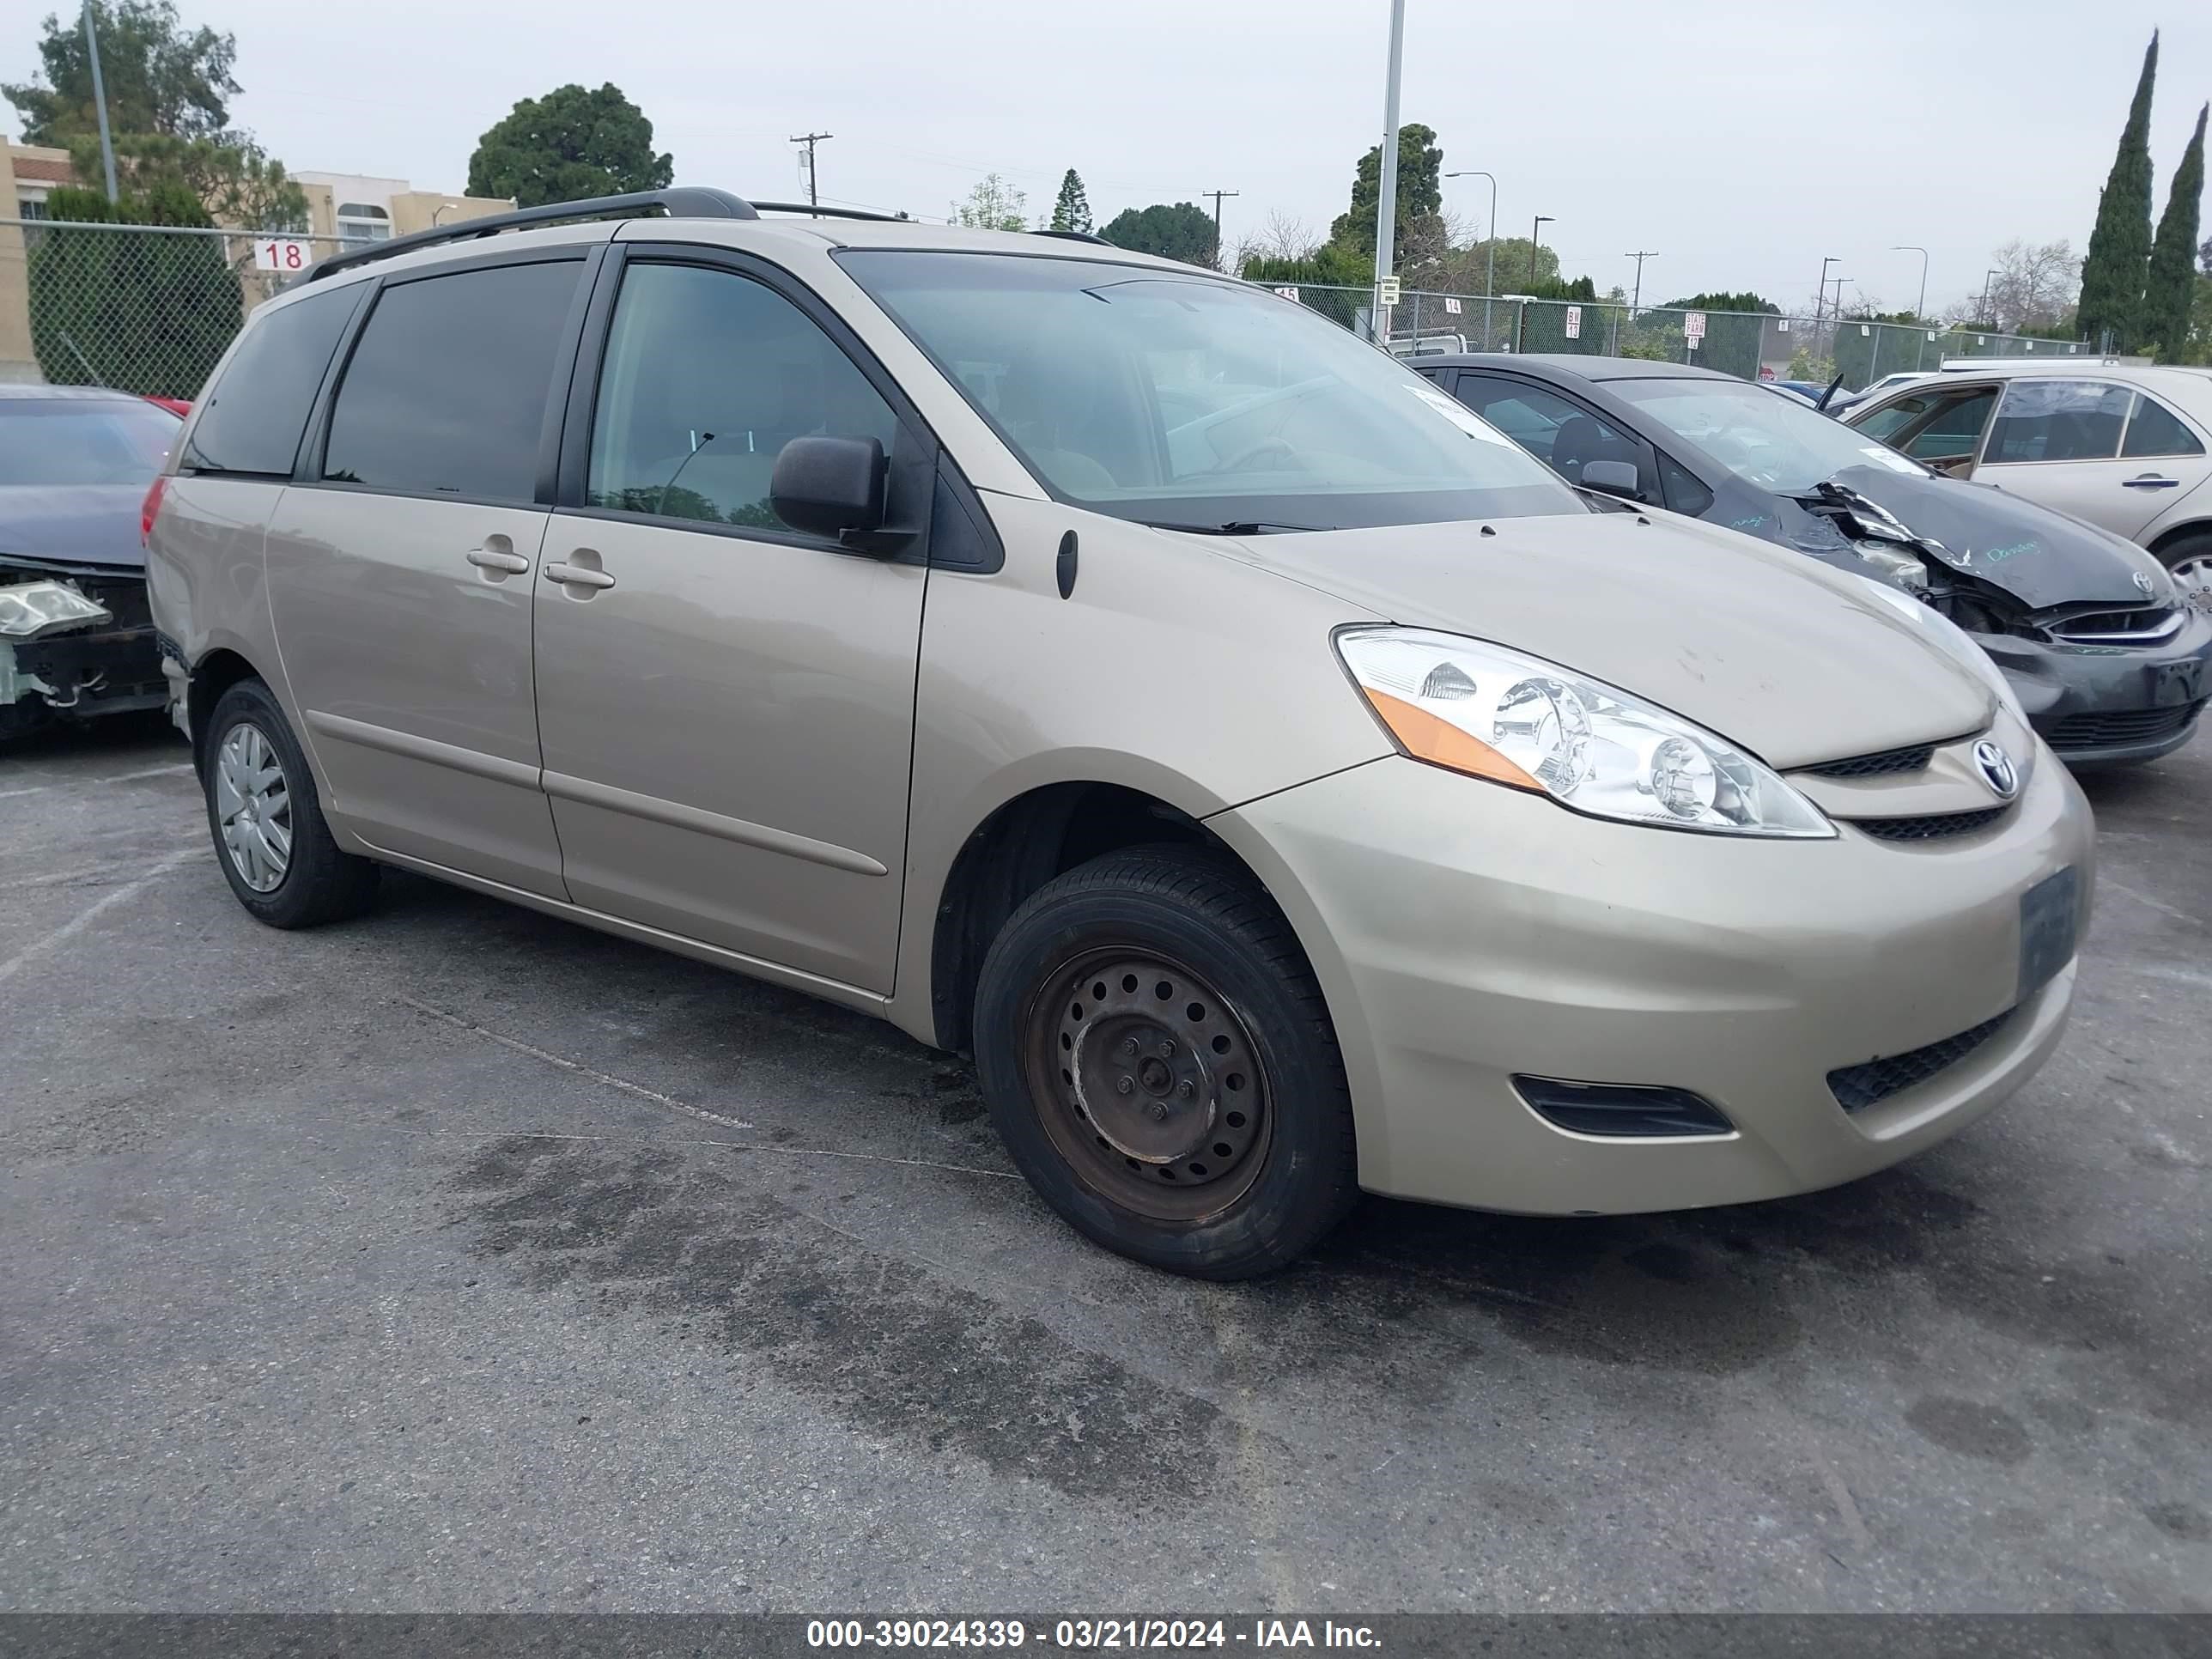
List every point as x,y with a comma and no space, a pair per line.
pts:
1790,660
2040,556
79,523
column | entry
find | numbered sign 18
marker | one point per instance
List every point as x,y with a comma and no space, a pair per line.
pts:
283,254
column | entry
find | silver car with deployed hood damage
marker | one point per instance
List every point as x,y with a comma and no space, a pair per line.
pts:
2108,660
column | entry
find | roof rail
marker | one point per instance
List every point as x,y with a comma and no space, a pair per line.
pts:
684,202
832,212
1075,236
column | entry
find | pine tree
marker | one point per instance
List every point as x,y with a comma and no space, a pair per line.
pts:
2170,289
2113,273
1073,210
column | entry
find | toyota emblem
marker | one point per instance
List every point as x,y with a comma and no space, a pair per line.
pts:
1997,770
2143,582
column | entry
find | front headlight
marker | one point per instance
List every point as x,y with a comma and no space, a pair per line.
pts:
32,608
1517,719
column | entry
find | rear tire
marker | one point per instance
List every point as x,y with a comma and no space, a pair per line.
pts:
2190,559
1158,1058
274,849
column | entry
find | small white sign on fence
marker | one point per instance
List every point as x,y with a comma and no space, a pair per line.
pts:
1390,290
1451,307
1574,322
1864,332
284,254
1288,293
1693,324
1782,327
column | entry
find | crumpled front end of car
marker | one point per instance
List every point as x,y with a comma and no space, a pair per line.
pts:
75,642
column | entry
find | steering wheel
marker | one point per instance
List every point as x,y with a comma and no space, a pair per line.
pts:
1238,462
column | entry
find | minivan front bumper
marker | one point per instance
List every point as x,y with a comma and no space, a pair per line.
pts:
1465,934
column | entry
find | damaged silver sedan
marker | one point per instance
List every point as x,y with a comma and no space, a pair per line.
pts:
2110,662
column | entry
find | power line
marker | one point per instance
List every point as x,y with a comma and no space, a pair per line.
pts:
810,139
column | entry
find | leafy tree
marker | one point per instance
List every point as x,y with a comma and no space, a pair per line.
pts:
1420,189
149,315
993,204
1183,231
1581,291
1744,301
2032,292
2113,273
237,181
1464,270
570,145
2170,290
1071,210
1331,279
160,77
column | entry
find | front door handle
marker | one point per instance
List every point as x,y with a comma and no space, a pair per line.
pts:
2149,481
494,558
578,575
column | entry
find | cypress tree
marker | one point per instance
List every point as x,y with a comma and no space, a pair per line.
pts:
1072,210
2113,273
2171,287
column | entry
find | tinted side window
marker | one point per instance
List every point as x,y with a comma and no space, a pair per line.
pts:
446,390
708,374
2058,421
1548,426
256,412
2157,430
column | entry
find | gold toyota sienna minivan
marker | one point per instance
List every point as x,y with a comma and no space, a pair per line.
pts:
1277,781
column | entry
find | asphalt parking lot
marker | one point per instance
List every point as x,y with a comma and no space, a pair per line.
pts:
459,1258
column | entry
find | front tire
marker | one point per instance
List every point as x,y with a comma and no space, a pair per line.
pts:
274,849
1158,1059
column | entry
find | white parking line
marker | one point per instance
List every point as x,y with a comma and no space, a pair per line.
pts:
86,783
86,917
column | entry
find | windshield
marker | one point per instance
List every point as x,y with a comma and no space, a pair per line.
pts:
67,441
1196,402
1763,440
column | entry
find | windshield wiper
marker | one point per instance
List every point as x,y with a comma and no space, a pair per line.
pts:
1236,527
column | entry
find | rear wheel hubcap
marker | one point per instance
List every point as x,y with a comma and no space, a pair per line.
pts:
253,807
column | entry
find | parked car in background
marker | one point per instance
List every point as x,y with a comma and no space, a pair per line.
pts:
75,639
2125,446
1846,399
2109,663
1288,786
1794,391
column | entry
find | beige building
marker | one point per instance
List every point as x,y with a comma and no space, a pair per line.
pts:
352,210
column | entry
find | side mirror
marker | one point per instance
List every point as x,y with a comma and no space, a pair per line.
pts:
830,487
1611,478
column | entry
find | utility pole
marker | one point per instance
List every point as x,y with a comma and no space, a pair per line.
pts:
810,139
99,100
1536,241
1639,256
1386,203
1216,195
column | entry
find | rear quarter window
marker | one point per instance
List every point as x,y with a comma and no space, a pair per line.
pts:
255,413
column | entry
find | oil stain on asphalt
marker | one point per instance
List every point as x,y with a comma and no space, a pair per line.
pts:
891,1349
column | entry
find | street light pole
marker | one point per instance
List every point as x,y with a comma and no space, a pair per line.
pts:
1536,241
1820,299
99,100
1386,205
1983,312
1490,261
1920,307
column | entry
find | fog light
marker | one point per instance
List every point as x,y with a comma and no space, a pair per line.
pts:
1621,1110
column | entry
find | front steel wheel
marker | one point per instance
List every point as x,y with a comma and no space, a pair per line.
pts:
1160,1061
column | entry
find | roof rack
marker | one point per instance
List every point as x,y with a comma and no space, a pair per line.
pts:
1075,236
684,202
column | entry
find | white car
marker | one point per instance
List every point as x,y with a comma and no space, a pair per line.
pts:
2127,446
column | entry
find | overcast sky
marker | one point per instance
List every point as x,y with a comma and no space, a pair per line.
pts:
1741,142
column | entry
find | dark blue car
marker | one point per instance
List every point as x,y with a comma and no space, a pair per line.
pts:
2110,664
76,637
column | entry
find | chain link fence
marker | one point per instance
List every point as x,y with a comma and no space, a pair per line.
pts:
1752,346
141,308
